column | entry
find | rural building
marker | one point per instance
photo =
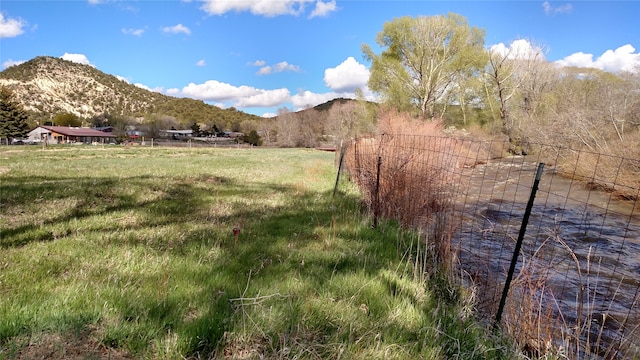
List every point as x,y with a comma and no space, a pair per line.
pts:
233,134
108,129
176,134
135,134
69,135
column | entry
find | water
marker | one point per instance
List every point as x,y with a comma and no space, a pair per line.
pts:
579,267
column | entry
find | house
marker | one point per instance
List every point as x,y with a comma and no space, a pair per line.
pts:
233,134
108,129
135,134
69,135
176,134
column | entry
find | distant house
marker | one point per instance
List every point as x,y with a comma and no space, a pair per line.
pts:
233,134
176,134
105,128
135,134
69,135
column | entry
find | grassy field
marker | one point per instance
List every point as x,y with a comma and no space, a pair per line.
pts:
130,253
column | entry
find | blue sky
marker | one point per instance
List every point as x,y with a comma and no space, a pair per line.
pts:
263,55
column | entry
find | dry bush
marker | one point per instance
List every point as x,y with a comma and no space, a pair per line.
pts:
418,168
394,122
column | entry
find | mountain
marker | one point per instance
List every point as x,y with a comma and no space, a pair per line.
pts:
48,86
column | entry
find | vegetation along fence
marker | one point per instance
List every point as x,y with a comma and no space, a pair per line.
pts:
562,279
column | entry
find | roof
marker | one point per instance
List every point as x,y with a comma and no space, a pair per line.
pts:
75,131
178,131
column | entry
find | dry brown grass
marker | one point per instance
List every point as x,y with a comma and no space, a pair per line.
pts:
71,346
614,167
619,175
408,173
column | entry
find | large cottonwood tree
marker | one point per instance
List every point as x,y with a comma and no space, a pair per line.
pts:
423,59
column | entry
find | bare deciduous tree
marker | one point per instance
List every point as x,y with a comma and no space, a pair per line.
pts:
509,70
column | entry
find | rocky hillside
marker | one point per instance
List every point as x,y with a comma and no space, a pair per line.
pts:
47,86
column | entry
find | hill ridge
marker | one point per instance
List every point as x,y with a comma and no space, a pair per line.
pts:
47,86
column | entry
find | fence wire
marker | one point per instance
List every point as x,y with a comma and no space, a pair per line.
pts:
577,281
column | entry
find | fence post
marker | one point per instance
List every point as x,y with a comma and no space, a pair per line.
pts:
342,151
516,251
356,158
376,195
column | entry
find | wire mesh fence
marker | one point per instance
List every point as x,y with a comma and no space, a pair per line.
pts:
575,287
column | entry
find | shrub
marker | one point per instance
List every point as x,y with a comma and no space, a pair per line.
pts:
252,138
410,178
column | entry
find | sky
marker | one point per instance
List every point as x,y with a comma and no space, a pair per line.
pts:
262,56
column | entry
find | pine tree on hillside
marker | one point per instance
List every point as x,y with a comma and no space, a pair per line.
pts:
13,118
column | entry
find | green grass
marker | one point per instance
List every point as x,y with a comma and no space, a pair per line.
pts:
114,252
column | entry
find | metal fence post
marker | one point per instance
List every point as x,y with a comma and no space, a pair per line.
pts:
342,151
376,195
516,251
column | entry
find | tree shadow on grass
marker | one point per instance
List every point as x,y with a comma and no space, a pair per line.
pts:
56,201
294,252
183,201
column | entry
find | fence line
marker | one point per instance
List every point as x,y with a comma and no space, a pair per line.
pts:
576,285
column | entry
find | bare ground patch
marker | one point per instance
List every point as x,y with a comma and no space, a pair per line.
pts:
71,346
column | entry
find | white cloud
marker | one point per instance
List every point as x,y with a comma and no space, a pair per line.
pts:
176,29
265,98
561,9
264,70
279,67
344,79
122,78
267,8
307,99
201,63
213,90
347,76
623,58
258,63
518,49
257,7
578,59
11,62
143,86
134,32
269,115
11,27
77,58
238,96
323,8
284,66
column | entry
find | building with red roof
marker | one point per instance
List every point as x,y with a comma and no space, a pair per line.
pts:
70,135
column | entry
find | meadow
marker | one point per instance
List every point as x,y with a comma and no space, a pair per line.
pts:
122,253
